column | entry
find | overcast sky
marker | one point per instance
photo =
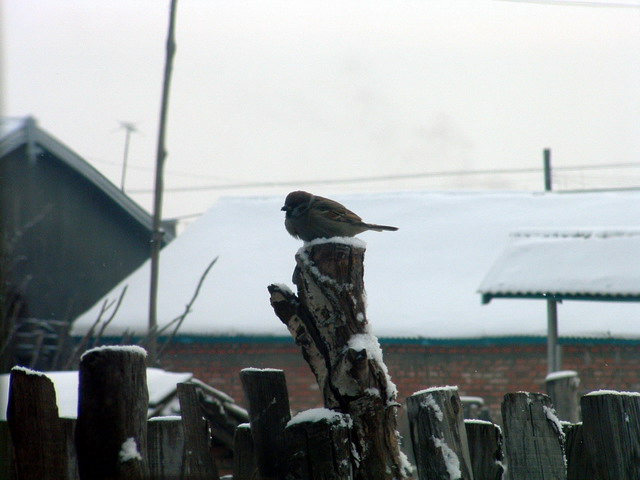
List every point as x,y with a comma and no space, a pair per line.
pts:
291,90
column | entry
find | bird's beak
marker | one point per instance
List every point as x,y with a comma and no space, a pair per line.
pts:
285,209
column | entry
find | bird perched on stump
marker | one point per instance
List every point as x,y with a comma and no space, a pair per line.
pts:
309,217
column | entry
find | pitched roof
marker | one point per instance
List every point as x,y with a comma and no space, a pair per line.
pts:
18,132
422,281
578,265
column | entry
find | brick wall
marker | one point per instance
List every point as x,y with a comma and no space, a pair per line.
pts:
489,370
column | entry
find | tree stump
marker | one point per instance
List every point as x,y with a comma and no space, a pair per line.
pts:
611,429
328,321
111,430
534,439
438,434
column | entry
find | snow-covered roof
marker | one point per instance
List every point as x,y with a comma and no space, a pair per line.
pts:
578,264
422,281
159,382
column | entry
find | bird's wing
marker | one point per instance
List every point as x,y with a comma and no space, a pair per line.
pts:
336,211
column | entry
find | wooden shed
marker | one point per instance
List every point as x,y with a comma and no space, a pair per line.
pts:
68,234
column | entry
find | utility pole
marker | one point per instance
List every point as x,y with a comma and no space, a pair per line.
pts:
548,185
157,233
129,128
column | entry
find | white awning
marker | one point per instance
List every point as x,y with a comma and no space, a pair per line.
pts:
589,264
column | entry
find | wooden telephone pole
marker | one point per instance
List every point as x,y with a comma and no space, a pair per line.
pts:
157,233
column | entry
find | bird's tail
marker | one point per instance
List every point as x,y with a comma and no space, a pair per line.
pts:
380,228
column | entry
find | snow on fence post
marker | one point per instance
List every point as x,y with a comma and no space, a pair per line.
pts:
562,387
534,441
244,457
199,462
485,449
327,319
266,394
612,433
318,445
36,430
438,434
111,430
165,441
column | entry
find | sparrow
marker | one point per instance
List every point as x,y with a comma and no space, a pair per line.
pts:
309,217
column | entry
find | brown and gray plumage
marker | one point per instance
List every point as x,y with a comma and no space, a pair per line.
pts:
309,217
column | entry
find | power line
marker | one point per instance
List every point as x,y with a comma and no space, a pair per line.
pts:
383,178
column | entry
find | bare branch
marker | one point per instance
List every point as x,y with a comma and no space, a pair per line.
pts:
178,320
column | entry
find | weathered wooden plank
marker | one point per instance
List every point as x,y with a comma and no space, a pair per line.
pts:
199,462
318,445
244,457
562,387
268,400
7,466
165,446
438,434
36,431
111,430
485,449
579,465
611,424
533,437
69,430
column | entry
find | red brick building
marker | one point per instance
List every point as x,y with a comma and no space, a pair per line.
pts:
487,368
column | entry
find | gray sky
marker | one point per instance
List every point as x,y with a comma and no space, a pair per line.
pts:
291,90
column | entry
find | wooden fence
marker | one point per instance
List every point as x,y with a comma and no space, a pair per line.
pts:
112,438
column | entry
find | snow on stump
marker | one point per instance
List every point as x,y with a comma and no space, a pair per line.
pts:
534,441
438,434
111,430
611,424
485,449
37,432
562,387
318,445
327,319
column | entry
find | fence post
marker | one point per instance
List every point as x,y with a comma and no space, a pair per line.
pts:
244,457
36,430
199,462
533,437
611,428
318,445
438,434
7,465
485,449
111,430
579,465
165,441
562,387
266,394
